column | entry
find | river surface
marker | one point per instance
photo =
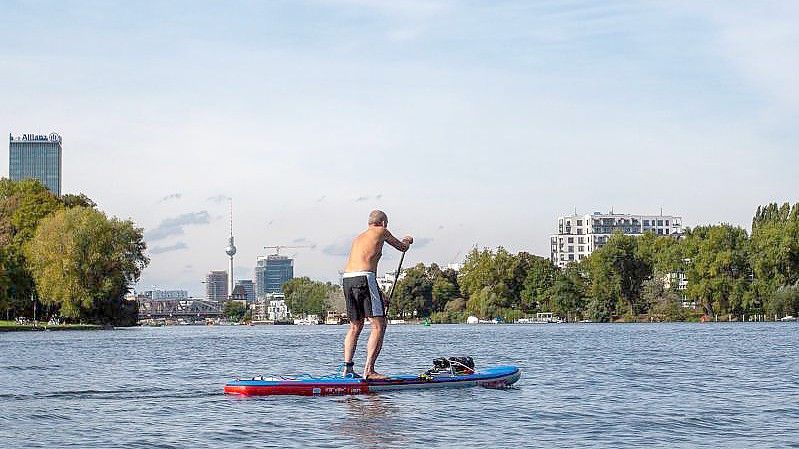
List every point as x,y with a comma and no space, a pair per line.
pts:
659,385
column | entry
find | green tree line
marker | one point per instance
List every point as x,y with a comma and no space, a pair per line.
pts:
729,272
305,296
69,257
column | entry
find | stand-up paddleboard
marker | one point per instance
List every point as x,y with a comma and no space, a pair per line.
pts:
496,377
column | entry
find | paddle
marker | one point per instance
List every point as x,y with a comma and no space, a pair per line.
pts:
396,279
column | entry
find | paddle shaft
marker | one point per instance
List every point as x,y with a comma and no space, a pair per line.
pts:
396,278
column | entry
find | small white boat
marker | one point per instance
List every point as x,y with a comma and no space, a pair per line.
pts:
788,318
540,318
310,320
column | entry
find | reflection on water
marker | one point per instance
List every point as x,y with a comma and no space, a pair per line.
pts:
667,385
370,421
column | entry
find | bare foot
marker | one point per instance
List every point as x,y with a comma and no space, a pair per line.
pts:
376,376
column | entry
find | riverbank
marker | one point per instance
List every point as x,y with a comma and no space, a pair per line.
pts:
13,326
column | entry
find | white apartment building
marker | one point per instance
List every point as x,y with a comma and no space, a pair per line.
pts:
278,310
579,235
272,307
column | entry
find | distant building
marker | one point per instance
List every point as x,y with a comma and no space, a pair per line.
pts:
271,307
239,294
579,235
271,272
36,156
249,288
165,294
456,267
386,282
216,286
278,310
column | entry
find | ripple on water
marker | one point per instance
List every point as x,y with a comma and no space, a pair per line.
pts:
667,385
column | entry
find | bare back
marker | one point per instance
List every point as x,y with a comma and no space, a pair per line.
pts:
367,248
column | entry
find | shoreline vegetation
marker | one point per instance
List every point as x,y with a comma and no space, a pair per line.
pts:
708,273
62,257
13,326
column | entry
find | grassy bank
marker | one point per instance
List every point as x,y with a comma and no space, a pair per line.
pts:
13,326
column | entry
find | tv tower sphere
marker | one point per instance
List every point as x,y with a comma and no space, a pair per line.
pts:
231,248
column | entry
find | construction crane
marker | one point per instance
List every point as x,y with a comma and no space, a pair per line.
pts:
277,248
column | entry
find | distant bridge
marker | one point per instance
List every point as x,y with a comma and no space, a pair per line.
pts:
175,308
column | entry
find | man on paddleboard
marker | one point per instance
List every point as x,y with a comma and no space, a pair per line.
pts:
364,298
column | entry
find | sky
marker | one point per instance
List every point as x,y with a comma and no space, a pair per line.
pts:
470,123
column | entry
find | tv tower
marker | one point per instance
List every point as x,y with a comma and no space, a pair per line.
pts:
230,251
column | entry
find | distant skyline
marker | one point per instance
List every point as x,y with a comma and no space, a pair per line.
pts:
469,123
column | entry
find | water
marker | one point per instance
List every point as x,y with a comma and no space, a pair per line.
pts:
661,385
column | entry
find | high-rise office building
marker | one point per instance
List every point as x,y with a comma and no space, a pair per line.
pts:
579,235
216,286
36,156
271,272
249,288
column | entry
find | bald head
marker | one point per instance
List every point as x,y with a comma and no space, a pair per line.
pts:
378,218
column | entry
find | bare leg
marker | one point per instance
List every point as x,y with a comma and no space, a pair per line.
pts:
351,341
374,345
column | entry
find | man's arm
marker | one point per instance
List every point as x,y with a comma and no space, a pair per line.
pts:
401,245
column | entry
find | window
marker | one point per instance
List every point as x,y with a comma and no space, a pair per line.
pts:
571,256
646,222
667,222
660,232
580,257
581,240
667,231
571,249
562,257
579,222
660,222
581,249
579,231
571,239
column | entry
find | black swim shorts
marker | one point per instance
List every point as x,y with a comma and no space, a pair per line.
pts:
364,298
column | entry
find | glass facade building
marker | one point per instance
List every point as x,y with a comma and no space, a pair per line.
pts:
271,272
249,288
216,286
36,156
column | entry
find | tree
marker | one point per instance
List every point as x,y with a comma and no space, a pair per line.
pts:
617,273
72,200
5,280
414,293
719,270
23,204
443,291
540,277
305,296
662,302
83,263
774,249
663,253
566,296
234,310
784,301
495,271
